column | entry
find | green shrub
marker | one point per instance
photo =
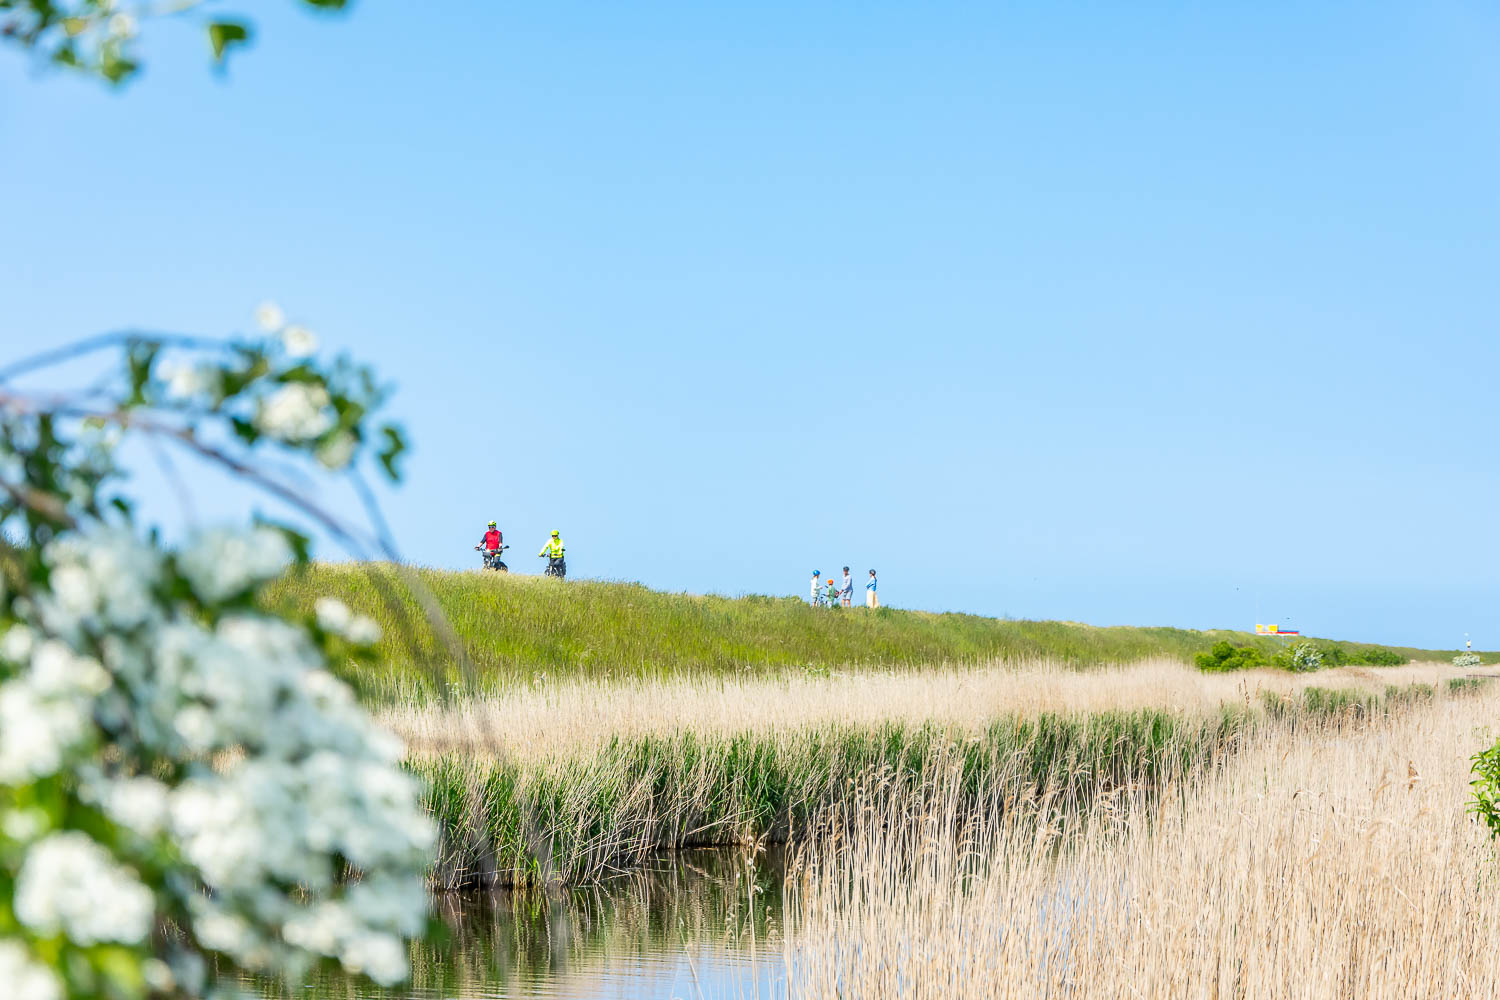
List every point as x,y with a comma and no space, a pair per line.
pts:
1486,784
1223,657
1304,657
1335,655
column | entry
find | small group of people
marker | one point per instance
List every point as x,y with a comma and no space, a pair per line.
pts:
493,543
840,593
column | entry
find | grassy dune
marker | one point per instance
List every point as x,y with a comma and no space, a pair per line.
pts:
521,627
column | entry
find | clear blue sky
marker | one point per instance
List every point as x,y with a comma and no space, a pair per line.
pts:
1126,314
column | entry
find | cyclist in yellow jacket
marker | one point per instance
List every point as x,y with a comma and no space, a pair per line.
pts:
553,550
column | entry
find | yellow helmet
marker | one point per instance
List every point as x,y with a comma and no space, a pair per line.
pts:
554,532
492,524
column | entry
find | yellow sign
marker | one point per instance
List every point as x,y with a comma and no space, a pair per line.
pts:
1275,630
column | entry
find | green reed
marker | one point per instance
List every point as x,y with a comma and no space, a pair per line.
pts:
576,820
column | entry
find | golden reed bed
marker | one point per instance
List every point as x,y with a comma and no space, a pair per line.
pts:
560,718
1319,863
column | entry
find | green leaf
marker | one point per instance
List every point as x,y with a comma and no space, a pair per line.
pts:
305,374
122,967
222,35
116,68
139,358
244,430
395,446
327,4
235,381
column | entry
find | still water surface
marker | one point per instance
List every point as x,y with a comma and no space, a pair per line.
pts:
692,924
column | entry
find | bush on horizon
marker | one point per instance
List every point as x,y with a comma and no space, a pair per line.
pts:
1224,657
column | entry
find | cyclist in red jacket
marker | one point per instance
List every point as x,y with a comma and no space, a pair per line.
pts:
492,539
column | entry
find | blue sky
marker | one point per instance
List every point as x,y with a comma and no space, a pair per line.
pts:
1162,315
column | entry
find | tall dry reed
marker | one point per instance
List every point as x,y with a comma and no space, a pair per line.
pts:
564,718
1322,862
592,807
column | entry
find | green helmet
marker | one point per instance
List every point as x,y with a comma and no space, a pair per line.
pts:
492,524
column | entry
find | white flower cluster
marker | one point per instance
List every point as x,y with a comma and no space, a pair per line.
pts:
24,978
71,884
334,616
283,779
297,341
1306,657
296,412
44,711
224,562
187,382
338,451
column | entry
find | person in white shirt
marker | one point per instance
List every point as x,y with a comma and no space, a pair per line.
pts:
846,591
817,590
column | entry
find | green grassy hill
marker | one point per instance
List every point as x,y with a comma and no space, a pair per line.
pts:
519,627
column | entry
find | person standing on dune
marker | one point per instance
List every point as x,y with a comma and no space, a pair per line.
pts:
846,589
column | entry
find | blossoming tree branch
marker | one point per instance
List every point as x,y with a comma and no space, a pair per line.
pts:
98,37
187,794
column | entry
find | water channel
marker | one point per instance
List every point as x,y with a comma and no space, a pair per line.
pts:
691,924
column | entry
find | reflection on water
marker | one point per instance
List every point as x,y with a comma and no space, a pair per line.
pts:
692,924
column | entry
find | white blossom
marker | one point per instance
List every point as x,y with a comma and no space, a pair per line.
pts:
363,631
333,615
302,780
57,672
382,957
321,928
295,412
100,580
221,563
12,469
74,592
36,731
189,381
25,978
69,883
139,804
122,25
24,825
158,975
299,341
338,451
270,317
16,644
